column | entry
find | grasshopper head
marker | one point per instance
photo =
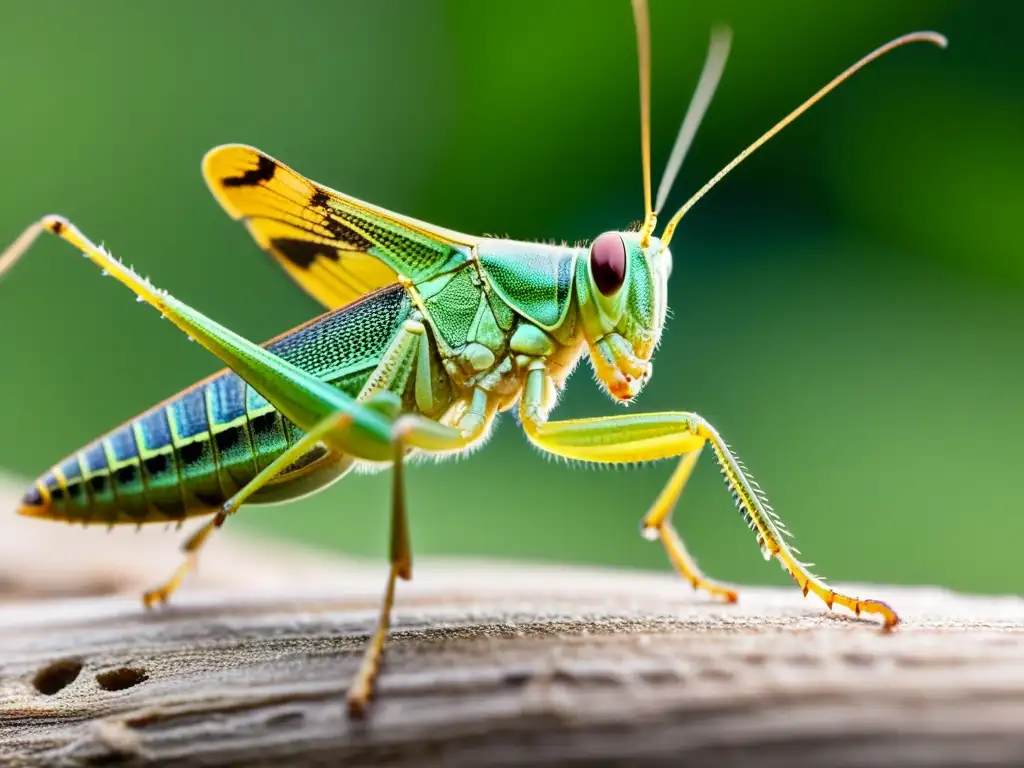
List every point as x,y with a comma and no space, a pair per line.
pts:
622,283
622,288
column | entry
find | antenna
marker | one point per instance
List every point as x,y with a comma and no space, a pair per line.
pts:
914,37
714,64
642,22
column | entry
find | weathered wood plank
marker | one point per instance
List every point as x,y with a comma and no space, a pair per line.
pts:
501,664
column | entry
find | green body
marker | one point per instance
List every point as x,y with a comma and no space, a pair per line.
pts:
191,453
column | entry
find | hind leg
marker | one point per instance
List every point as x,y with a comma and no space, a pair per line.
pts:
195,542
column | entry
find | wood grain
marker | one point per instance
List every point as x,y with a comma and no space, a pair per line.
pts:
506,664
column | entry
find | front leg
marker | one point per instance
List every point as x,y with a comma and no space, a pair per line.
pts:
648,437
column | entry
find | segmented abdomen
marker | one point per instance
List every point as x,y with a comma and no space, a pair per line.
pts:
183,457
188,455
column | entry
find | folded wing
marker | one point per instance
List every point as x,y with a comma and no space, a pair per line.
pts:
334,246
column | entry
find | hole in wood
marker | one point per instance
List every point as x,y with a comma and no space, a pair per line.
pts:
56,676
119,679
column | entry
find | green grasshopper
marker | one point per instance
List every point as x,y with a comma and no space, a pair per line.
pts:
430,334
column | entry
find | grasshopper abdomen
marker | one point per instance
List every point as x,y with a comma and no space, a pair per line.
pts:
191,453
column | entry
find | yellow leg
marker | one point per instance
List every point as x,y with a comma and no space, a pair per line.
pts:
647,437
426,435
361,690
195,542
191,549
657,524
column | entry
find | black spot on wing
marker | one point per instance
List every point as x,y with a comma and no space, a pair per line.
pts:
336,222
262,173
302,253
319,199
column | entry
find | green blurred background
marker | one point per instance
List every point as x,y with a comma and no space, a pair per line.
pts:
847,306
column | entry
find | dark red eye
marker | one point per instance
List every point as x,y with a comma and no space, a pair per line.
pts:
608,263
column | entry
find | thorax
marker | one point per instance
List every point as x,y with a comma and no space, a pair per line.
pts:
510,303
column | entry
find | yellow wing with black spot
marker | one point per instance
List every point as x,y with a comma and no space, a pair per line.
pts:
334,246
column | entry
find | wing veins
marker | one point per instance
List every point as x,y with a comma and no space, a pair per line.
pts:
334,246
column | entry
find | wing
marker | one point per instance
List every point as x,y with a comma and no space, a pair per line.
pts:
334,246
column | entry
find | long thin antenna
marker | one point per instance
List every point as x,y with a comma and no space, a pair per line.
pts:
714,65
913,37
641,21
12,254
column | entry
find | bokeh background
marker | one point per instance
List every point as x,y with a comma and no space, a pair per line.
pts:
847,306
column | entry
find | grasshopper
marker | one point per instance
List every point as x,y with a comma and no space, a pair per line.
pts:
430,334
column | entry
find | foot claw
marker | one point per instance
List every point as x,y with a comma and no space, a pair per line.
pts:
357,705
358,701
726,594
889,617
155,597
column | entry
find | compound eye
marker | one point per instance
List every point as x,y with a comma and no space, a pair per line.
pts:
608,263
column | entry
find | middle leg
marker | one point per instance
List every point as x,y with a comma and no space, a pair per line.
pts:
427,435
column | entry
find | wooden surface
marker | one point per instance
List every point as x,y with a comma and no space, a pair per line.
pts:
490,664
